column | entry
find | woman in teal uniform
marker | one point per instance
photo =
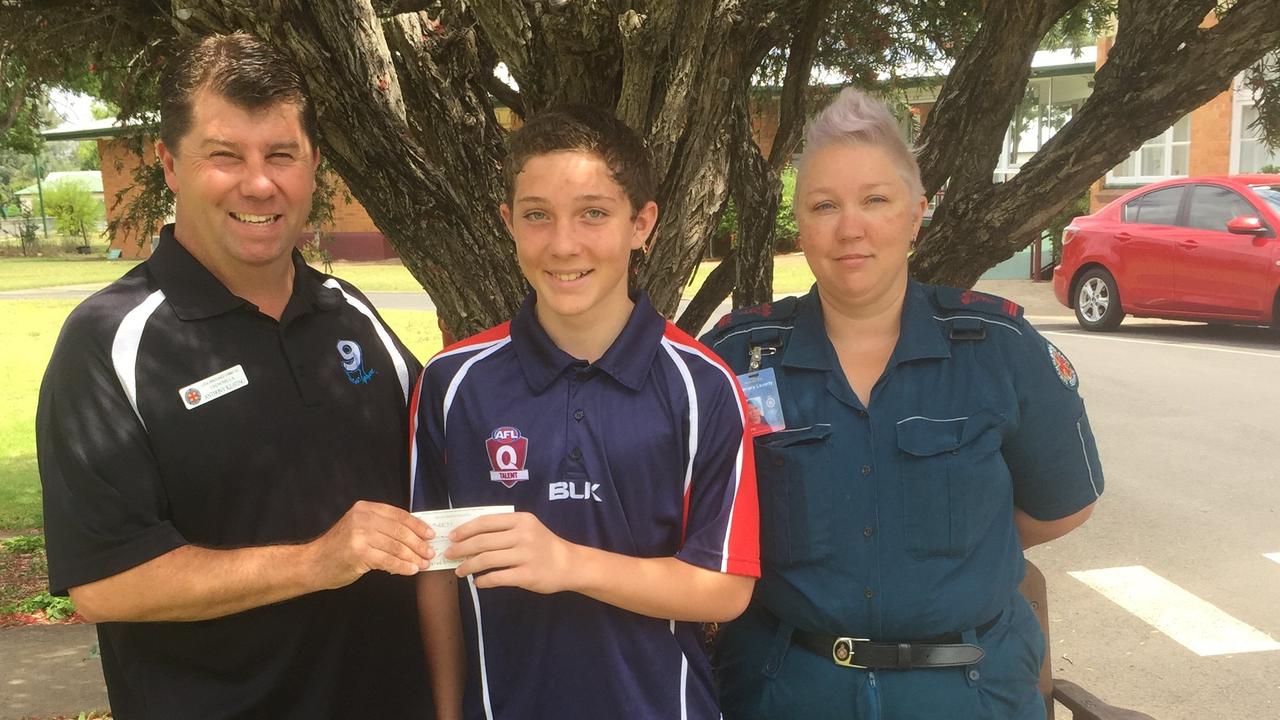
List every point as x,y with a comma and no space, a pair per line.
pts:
931,434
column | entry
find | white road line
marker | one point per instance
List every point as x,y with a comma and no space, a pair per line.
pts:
1193,623
1272,556
1096,336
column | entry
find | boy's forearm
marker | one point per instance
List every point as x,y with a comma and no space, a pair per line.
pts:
442,643
666,588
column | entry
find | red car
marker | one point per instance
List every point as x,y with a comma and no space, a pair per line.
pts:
1203,248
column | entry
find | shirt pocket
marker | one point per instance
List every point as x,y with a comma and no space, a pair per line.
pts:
950,471
793,467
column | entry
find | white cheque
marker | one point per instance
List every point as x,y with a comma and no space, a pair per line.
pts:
444,521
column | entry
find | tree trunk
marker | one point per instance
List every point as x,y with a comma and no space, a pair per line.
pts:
716,287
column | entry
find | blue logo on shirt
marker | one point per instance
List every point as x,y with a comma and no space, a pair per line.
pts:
353,362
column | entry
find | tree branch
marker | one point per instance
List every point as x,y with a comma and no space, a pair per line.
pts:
791,104
716,287
966,127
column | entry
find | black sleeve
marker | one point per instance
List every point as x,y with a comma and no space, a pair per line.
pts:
104,505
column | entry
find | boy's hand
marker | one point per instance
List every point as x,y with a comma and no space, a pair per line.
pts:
512,550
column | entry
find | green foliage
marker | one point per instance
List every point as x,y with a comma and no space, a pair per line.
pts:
87,155
75,210
1081,26
149,208
55,608
1270,169
24,544
1263,79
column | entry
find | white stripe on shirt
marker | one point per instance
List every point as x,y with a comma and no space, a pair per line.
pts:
124,347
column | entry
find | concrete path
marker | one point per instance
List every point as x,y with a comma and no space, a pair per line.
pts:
50,670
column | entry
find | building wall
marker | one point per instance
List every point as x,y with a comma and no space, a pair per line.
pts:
1210,151
118,165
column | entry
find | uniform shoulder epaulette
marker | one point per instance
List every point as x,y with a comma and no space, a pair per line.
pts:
950,298
780,310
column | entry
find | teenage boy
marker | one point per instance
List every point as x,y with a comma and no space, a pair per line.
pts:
619,440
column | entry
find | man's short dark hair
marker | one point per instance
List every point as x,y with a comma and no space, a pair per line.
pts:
585,129
240,67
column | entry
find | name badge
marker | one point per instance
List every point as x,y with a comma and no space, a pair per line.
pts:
764,406
213,387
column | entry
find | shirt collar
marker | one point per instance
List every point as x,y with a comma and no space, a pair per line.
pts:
195,294
919,335
808,346
627,360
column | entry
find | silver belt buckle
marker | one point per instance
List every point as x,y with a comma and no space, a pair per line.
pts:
842,652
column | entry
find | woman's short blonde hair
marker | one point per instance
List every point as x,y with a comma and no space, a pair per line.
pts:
856,118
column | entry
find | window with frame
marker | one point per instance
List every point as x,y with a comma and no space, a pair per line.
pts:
1254,153
1163,156
1155,208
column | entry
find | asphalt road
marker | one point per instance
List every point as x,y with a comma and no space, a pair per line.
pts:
1187,418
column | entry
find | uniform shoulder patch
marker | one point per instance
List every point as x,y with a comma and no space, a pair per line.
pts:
1062,366
779,310
958,299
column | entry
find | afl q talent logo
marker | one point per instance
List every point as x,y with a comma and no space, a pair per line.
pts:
507,452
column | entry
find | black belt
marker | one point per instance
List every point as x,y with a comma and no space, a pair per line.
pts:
942,651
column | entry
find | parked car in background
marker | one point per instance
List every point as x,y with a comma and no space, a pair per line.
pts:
1202,248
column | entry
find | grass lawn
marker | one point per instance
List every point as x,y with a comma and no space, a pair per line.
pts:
31,272
375,277
791,275
27,335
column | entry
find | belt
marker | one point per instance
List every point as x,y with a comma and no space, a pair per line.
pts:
942,651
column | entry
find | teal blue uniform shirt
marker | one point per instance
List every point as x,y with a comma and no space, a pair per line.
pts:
894,521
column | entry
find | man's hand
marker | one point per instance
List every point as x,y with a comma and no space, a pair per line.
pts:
371,536
513,550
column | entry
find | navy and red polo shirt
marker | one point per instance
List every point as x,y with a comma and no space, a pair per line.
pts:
641,453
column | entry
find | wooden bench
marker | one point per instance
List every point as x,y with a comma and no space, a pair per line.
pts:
1083,704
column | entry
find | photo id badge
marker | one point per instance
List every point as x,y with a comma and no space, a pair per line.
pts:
764,406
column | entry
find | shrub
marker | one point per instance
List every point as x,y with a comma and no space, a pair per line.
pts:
55,609
74,209
24,544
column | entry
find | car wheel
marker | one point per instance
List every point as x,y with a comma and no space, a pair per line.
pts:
1098,301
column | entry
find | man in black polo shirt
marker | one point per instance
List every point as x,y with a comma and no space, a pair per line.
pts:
222,437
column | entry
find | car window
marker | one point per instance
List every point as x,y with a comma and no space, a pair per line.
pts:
1213,206
1156,208
1270,194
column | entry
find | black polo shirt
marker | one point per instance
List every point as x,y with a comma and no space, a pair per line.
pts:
174,412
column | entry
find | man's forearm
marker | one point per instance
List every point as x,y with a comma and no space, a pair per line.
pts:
666,588
195,583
